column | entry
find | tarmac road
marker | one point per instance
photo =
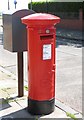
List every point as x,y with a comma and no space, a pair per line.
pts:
69,74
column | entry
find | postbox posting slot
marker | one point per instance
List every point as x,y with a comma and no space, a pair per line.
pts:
46,37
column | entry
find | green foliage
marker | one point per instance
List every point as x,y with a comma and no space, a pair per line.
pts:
26,88
71,116
36,118
38,6
56,6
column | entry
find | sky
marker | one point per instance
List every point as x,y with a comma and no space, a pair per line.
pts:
21,4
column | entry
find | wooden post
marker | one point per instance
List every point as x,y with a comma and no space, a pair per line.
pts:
20,74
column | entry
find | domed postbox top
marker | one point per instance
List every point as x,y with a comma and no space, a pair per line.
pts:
40,19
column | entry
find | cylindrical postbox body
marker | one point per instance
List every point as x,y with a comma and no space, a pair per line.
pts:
41,62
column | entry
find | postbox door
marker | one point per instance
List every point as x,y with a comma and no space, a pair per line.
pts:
41,70
48,61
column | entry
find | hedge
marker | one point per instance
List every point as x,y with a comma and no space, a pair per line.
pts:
56,6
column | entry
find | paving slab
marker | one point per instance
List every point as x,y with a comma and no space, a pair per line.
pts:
23,102
7,83
8,63
7,58
78,115
6,92
12,69
15,111
64,107
7,73
58,113
18,109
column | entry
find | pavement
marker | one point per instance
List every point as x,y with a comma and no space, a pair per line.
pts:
68,101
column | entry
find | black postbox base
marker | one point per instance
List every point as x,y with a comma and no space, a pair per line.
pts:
41,107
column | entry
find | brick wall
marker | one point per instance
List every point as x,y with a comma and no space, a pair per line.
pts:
72,23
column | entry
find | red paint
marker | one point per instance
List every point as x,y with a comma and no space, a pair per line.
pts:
41,72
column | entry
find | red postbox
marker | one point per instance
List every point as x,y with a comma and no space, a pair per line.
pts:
41,62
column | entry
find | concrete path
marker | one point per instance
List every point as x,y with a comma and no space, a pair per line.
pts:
17,108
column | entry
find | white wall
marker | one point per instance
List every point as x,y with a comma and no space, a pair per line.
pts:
20,4
24,3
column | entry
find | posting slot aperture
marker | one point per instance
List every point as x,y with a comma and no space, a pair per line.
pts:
46,37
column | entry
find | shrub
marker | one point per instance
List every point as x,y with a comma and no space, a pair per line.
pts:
56,6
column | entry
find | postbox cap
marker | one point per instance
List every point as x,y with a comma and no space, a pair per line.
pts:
40,19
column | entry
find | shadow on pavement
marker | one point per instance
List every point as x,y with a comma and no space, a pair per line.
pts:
22,114
70,34
4,104
68,42
1,39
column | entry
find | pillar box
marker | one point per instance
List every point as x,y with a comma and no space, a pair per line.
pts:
41,62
